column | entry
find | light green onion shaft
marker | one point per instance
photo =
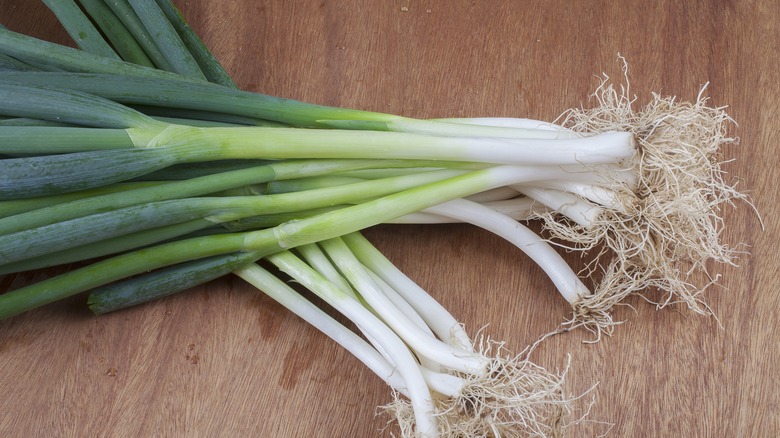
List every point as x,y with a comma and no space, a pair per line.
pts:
264,242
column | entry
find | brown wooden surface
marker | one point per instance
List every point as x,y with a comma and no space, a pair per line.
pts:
223,360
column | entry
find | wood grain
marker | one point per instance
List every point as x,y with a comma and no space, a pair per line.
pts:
223,360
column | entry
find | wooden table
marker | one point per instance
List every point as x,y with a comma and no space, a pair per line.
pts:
223,360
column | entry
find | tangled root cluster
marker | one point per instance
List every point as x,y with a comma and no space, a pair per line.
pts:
514,398
664,240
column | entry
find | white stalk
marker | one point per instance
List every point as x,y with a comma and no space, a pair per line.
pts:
320,262
399,302
520,208
597,194
581,212
509,122
317,259
497,194
442,383
416,387
422,343
303,308
564,278
441,322
410,313
482,127
617,174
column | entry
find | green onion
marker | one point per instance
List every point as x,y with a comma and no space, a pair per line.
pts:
8,63
171,280
205,59
21,140
157,192
164,36
19,206
129,17
22,100
80,28
111,246
116,32
55,174
53,56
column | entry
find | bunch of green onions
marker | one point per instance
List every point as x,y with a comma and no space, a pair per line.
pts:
138,150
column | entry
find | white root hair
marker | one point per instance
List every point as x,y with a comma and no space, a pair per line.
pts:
666,239
514,398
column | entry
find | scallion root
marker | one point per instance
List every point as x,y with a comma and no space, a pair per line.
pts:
665,238
514,397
